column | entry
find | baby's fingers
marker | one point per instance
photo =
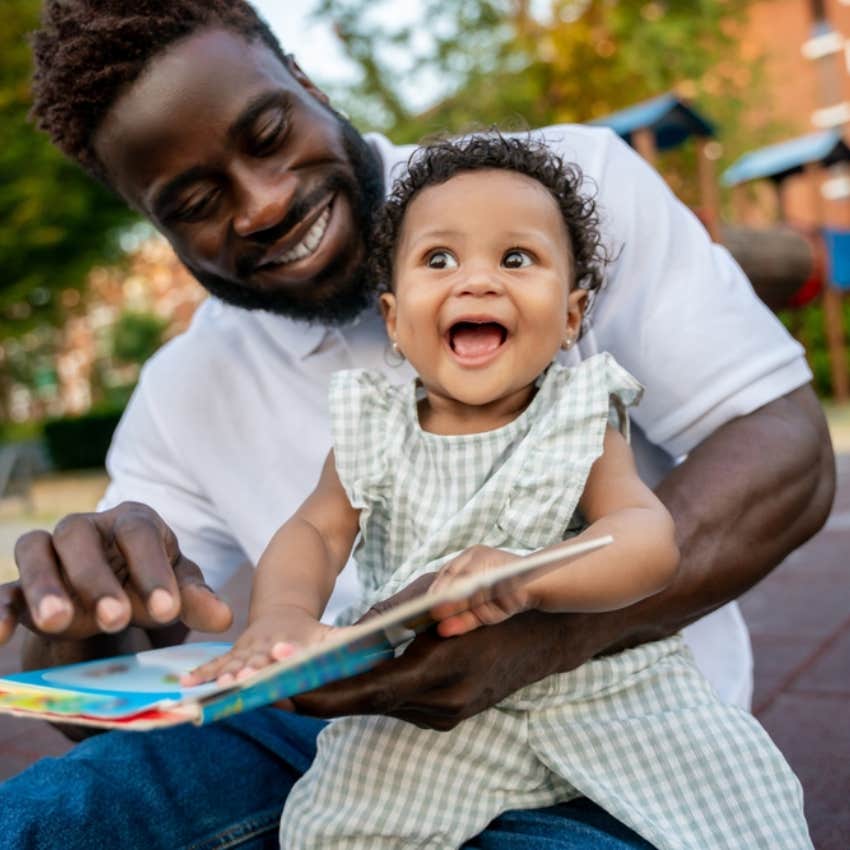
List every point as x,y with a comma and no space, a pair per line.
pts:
458,624
206,672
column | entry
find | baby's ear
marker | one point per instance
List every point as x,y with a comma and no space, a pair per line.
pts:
387,304
576,304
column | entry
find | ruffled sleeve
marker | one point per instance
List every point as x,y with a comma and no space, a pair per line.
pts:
363,407
565,439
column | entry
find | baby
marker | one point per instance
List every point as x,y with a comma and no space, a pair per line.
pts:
486,255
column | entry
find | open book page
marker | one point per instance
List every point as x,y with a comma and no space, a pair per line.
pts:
142,691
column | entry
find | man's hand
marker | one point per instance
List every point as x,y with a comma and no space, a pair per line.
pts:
101,572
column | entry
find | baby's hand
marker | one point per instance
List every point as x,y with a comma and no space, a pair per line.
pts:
265,641
481,609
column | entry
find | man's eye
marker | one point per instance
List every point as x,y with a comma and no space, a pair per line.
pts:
441,260
197,206
516,259
268,132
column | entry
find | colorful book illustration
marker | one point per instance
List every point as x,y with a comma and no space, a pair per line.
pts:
142,691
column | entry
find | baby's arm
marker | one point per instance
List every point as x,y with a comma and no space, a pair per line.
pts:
641,561
293,582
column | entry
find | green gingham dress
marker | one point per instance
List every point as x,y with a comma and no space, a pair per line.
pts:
641,732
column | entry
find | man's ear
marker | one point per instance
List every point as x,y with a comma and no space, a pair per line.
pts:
304,81
576,304
387,304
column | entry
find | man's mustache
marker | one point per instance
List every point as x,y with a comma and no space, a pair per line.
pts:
248,260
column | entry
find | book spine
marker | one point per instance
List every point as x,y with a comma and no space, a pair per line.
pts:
337,664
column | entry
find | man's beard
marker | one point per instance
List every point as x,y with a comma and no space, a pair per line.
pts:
334,297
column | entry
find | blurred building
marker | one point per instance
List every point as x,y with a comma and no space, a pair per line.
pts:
804,50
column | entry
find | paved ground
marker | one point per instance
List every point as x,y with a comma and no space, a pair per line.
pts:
800,623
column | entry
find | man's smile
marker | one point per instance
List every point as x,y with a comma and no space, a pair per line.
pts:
304,252
302,240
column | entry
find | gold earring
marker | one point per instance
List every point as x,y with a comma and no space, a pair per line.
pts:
567,342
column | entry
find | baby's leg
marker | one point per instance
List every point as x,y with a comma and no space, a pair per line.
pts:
643,735
380,784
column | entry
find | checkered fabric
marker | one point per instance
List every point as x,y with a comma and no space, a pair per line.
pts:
426,497
641,733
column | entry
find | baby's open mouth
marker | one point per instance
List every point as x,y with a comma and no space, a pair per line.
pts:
476,339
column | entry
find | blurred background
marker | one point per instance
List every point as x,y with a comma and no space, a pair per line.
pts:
742,105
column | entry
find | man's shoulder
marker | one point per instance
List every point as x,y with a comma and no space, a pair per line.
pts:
586,145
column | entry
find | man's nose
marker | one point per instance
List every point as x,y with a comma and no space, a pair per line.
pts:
262,199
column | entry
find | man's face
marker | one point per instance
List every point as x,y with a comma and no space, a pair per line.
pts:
264,192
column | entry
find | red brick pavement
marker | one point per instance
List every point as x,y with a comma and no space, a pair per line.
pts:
799,618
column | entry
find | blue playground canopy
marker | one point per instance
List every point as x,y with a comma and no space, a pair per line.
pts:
776,162
670,119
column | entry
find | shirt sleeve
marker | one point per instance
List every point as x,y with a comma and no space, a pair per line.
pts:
145,467
678,312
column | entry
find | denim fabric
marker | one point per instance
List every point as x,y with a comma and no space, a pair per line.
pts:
222,786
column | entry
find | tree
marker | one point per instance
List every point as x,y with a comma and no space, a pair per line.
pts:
55,222
502,61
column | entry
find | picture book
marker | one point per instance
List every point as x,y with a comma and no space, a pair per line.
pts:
142,691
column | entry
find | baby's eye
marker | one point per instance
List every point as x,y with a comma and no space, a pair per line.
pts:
441,259
516,259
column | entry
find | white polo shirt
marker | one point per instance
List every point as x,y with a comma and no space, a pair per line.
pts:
228,428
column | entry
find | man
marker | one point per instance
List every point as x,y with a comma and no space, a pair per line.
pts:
193,114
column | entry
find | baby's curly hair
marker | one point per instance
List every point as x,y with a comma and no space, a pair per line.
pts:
88,52
445,158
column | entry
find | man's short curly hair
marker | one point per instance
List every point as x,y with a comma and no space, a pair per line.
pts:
443,159
88,52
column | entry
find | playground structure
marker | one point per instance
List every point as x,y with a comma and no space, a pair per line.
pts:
789,265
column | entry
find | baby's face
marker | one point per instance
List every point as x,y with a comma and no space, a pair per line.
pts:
482,280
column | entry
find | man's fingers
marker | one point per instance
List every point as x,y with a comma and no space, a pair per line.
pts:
139,534
201,609
45,593
382,690
11,605
79,547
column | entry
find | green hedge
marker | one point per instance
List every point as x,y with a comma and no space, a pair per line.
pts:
808,326
81,442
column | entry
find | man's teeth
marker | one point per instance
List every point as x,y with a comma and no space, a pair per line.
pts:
310,242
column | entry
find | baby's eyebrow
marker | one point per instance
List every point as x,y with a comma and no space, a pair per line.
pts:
435,233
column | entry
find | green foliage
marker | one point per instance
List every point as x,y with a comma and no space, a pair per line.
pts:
504,64
807,325
55,222
81,442
20,432
136,336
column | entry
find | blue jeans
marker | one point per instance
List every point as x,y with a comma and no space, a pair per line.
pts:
223,786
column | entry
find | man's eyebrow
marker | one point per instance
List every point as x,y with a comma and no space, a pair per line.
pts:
256,107
166,196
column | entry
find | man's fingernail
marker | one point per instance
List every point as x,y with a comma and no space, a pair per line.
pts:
109,610
160,604
51,607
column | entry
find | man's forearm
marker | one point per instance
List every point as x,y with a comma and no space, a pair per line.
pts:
742,501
